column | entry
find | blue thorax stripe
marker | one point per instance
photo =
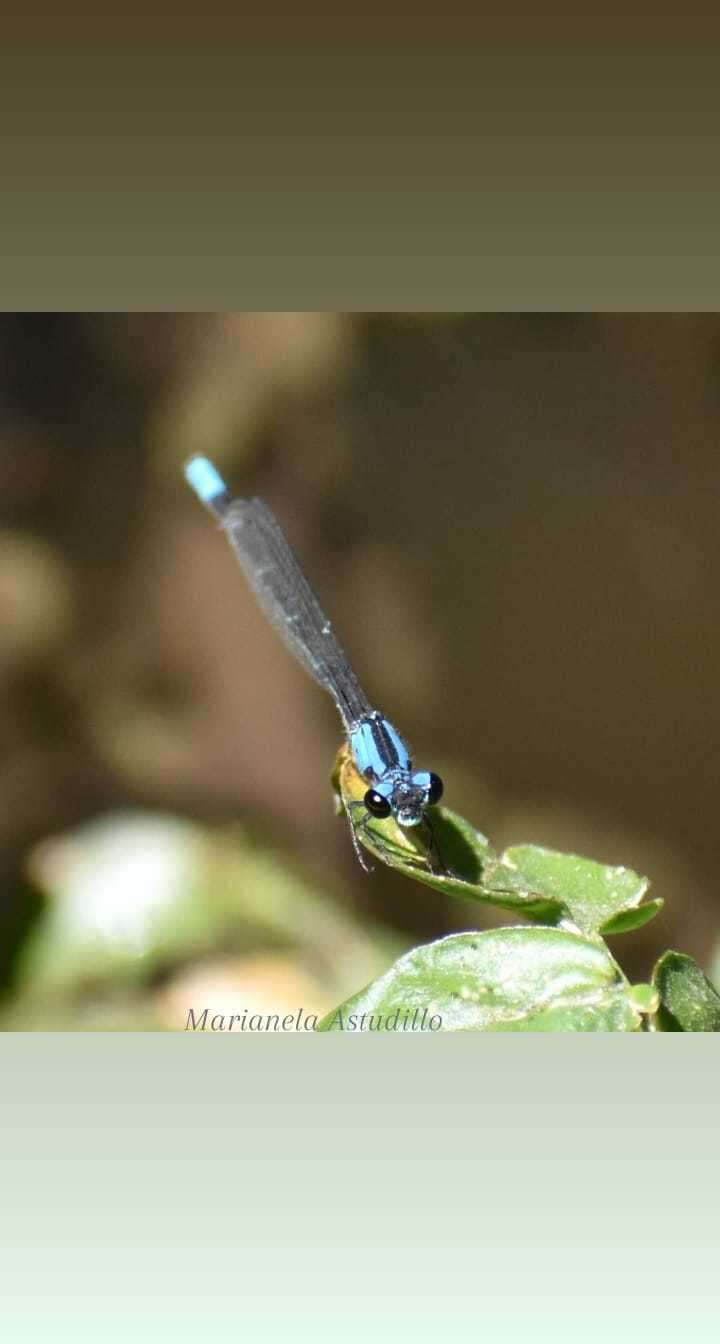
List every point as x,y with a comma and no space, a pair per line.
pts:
378,748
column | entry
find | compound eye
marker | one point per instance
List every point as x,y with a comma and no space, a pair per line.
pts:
376,805
435,789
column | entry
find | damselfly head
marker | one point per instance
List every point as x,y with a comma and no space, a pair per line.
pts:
408,801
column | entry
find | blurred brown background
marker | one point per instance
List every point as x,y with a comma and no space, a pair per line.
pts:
511,519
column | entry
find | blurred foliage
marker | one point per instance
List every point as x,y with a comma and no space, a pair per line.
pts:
148,916
511,520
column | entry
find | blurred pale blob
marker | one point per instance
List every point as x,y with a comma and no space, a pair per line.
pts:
36,605
119,889
133,895
241,364
114,881
263,983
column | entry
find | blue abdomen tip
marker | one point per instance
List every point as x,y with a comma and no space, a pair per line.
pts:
204,478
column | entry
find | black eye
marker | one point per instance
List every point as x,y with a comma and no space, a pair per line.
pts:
376,805
435,791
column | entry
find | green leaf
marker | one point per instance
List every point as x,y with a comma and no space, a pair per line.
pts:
627,920
689,1002
594,895
523,979
449,855
467,858
541,884
645,998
